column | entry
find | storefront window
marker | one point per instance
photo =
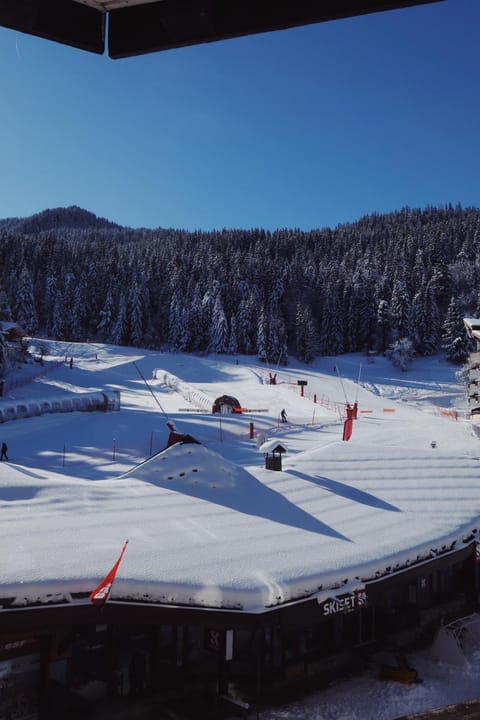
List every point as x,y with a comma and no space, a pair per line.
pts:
19,687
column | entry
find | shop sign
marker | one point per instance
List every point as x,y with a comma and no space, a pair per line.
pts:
343,604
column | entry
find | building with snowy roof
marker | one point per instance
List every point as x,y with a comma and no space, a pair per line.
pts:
231,576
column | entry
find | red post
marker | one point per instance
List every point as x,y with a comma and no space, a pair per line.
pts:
301,390
252,434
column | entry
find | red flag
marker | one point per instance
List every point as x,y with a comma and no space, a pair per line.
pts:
100,594
347,429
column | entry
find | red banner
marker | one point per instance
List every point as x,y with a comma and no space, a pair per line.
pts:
347,429
100,594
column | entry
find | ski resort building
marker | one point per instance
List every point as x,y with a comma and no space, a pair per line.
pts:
229,600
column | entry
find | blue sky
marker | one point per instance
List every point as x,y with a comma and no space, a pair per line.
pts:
304,128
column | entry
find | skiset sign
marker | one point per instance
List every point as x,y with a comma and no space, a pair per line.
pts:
344,603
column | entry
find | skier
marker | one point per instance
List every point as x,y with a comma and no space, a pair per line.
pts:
3,454
284,416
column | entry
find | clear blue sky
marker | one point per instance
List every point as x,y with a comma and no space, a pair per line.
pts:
307,127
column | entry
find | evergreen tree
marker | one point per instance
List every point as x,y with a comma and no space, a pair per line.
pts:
401,353
248,322
306,334
400,310
3,356
25,313
58,317
332,325
177,325
105,324
455,342
135,315
277,346
232,338
367,322
218,342
5,310
262,337
441,283
383,323
51,290
120,328
424,322
195,341
69,321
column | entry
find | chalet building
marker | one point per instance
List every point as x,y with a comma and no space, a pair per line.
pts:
51,655
472,327
61,652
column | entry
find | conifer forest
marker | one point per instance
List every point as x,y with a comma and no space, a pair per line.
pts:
409,276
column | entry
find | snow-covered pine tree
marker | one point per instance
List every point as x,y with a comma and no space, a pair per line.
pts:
105,324
3,357
176,324
262,337
331,327
218,341
49,300
232,337
57,328
120,328
455,342
424,322
247,325
401,353
306,334
5,309
25,312
383,323
400,310
135,315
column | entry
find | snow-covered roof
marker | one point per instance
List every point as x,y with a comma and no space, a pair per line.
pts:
273,445
207,524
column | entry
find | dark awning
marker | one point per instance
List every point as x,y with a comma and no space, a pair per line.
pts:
142,26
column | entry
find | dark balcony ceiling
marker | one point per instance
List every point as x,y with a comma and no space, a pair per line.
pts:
142,26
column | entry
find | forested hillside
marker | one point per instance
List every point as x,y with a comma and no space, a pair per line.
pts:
410,274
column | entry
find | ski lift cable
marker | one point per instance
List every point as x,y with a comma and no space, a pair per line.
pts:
150,389
341,383
358,382
278,361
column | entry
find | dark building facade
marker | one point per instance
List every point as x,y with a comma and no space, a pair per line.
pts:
61,660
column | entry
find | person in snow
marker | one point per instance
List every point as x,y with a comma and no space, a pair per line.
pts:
284,416
3,454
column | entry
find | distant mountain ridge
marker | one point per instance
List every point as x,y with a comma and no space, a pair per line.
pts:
72,217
